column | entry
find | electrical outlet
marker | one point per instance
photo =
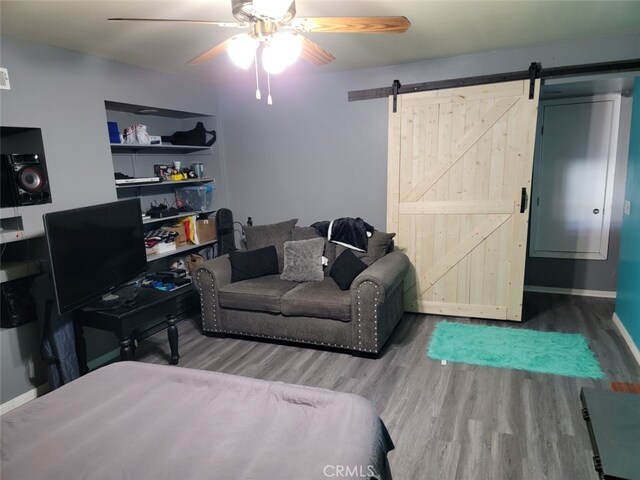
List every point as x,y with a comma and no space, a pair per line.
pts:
627,207
4,79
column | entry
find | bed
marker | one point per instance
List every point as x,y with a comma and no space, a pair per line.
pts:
132,420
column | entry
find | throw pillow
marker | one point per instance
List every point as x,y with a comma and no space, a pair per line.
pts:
346,268
305,233
303,260
260,236
253,263
377,248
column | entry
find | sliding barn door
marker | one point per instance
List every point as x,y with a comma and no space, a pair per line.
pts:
460,161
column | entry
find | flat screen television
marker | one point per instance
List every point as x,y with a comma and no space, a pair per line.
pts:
94,250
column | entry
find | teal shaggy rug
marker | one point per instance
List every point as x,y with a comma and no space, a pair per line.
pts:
545,352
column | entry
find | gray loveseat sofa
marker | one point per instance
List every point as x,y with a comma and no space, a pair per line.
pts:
360,319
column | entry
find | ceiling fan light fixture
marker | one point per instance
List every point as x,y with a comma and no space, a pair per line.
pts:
242,50
251,10
281,51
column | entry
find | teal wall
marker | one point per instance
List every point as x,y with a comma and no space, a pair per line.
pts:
628,298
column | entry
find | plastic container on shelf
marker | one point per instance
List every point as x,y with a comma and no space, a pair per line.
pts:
195,198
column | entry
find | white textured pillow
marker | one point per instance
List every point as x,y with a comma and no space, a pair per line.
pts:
303,260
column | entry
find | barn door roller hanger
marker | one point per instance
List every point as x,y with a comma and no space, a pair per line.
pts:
535,71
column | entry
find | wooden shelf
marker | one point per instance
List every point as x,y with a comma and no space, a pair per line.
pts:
136,160
165,183
149,110
14,270
186,248
11,229
161,148
8,236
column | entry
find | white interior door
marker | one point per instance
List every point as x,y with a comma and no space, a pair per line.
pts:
573,180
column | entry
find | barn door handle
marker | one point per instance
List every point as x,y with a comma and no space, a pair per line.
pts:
596,211
523,200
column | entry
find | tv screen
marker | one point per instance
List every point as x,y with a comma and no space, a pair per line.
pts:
94,250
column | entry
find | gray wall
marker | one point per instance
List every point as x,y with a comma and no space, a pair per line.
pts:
315,156
63,93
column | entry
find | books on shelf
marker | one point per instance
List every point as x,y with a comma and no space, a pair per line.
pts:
161,247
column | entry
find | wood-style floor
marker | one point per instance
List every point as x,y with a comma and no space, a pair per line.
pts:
455,421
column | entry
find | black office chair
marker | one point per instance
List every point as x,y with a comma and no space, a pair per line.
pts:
226,233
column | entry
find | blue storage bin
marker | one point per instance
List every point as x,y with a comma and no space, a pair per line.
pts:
196,198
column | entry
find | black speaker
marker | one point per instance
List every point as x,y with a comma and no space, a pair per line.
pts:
7,190
17,305
25,179
224,227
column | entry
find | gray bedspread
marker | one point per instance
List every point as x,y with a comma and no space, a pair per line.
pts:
139,421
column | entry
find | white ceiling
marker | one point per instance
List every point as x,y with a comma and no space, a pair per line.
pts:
439,29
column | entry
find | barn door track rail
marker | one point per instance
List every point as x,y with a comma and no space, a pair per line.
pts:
535,71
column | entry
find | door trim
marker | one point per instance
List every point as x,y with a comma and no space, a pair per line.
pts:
611,167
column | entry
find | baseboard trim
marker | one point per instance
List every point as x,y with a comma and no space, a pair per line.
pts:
42,389
24,398
627,338
570,291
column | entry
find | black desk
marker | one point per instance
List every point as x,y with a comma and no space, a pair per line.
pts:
613,420
149,305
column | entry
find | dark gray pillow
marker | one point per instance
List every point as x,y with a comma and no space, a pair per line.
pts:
303,260
303,233
379,244
260,236
253,263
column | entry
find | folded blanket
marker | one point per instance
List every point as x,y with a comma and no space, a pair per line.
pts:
350,232
321,228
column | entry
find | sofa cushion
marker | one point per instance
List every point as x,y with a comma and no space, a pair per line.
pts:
378,247
303,260
305,233
318,299
260,236
262,294
346,268
253,263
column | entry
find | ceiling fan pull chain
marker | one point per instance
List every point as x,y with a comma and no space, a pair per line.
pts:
255,62
269,99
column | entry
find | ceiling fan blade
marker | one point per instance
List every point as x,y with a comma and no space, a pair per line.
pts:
314,53
352,24
171,20
211,53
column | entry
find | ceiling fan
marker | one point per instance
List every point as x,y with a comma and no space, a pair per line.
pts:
273,27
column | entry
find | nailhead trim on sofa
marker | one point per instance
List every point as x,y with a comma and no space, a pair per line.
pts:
297,340
375,318
359,348
213,297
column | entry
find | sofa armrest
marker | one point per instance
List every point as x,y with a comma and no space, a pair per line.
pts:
219,268
386,273
377,301
208,279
